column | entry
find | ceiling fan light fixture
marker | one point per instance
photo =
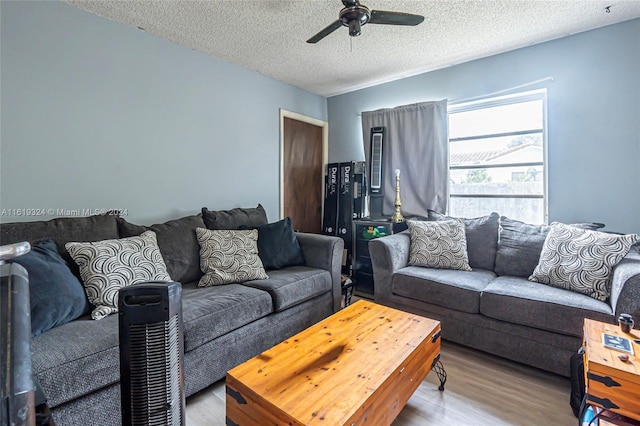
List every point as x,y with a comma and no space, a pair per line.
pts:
354,28
355,17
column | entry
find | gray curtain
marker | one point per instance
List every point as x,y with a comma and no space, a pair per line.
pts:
416,143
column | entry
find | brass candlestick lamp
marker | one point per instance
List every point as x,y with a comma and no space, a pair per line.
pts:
397,214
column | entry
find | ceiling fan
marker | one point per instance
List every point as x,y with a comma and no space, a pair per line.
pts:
354,15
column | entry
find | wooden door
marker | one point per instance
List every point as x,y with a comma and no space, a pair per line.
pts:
302,174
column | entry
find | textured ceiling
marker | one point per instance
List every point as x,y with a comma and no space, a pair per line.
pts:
269,36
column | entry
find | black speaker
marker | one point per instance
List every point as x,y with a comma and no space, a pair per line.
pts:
330,215
151,354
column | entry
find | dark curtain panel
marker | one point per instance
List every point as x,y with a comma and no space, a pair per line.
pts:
416,143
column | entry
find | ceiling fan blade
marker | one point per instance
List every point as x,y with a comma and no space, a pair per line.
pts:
325,32
394,18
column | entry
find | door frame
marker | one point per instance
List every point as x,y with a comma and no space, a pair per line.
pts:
325,150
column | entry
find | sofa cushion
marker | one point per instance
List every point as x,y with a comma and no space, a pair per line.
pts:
107,266
520,245
210,312
536,305
278,246
90,358
229,256
77,358
441,244
178,244
291,286
55,294
581,260
459,290
482,238
234,218
62,230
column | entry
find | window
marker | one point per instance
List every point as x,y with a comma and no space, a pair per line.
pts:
497,157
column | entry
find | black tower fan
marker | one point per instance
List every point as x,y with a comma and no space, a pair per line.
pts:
376,172
151,354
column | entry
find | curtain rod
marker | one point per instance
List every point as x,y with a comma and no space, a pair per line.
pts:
499,92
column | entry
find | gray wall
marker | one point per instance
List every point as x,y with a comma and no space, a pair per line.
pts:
96,114
593,116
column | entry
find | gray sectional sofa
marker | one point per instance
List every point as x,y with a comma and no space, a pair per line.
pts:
77,363
494,307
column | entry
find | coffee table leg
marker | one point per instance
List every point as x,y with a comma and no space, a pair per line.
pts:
438,368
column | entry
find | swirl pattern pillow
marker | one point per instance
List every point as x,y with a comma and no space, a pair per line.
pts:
107,266
440,244
229,256
581,260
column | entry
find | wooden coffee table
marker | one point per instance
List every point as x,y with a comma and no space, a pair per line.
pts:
359,366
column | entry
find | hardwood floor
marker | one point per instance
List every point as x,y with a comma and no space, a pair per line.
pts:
481,390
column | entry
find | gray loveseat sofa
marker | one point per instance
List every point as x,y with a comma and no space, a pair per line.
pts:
494,307
77,363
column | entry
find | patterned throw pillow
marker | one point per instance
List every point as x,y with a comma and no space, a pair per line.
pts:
229,256
106,266
440,244
581,260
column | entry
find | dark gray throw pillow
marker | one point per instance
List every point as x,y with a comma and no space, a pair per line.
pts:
56,295
62,230
482,238
520,245
177,242
278,246
234,218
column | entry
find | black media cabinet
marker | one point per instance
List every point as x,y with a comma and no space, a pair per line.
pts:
365,230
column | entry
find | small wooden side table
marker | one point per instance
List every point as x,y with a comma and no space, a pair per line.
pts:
611,383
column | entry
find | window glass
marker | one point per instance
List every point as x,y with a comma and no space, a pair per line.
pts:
498,181
496,119
528,210
498,150
496,158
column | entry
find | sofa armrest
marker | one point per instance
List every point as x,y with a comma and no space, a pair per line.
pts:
324,252
625,287
388,255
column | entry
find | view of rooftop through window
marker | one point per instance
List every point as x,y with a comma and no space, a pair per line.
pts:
496,157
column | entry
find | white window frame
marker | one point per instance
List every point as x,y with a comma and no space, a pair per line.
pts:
540,94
